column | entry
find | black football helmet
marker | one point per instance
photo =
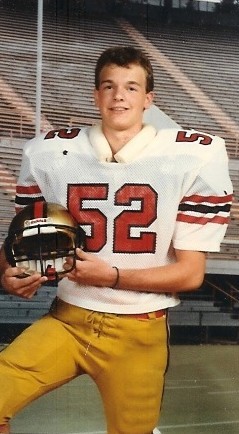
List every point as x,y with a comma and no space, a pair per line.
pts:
40,238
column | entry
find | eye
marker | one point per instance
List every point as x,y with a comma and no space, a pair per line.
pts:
107,86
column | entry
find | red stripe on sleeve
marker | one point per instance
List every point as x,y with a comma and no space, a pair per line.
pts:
210,199
31,189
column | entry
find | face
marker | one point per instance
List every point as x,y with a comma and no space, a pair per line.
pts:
122,98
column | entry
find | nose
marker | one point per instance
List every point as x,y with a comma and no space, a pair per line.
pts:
118,94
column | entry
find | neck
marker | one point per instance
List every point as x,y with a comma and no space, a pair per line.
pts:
117,139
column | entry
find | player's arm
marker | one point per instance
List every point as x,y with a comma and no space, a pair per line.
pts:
24,287
186,274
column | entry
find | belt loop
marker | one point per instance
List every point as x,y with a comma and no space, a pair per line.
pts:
152,315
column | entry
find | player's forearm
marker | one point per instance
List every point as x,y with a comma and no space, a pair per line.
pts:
184,275
178,277
161,279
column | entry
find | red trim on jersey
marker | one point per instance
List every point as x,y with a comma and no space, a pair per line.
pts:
209,199
38,209
202,220
31,189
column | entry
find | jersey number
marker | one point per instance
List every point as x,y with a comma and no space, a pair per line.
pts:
63,133
125,222
203,139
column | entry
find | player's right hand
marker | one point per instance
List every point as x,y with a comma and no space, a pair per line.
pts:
24,287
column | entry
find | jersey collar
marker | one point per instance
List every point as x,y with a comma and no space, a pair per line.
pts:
129,152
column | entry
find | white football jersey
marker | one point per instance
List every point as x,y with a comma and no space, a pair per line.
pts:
164,190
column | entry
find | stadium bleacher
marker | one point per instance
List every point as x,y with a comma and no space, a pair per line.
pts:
190,66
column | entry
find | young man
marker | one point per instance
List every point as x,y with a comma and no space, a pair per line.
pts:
151,202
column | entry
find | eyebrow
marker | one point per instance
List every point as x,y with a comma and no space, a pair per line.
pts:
128,82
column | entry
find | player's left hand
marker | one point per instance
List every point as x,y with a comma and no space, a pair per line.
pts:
90,270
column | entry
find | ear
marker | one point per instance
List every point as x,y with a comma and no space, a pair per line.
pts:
148,99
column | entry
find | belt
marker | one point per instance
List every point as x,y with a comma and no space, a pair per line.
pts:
149,315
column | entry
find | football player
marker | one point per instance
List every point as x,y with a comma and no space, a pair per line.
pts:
152,203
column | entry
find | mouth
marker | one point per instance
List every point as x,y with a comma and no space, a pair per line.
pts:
118,109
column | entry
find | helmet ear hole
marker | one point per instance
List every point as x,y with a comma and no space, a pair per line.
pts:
41,237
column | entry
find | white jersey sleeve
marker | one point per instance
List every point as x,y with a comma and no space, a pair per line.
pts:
203,212
27,189
44,152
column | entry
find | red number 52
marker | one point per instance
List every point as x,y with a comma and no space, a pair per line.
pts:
123,239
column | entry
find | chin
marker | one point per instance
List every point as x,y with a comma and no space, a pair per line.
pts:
120,126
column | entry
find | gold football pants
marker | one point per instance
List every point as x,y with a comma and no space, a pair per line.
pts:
126,357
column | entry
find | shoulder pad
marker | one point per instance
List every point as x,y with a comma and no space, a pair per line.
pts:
52,137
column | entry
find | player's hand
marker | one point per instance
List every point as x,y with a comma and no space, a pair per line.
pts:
24,287
90,270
